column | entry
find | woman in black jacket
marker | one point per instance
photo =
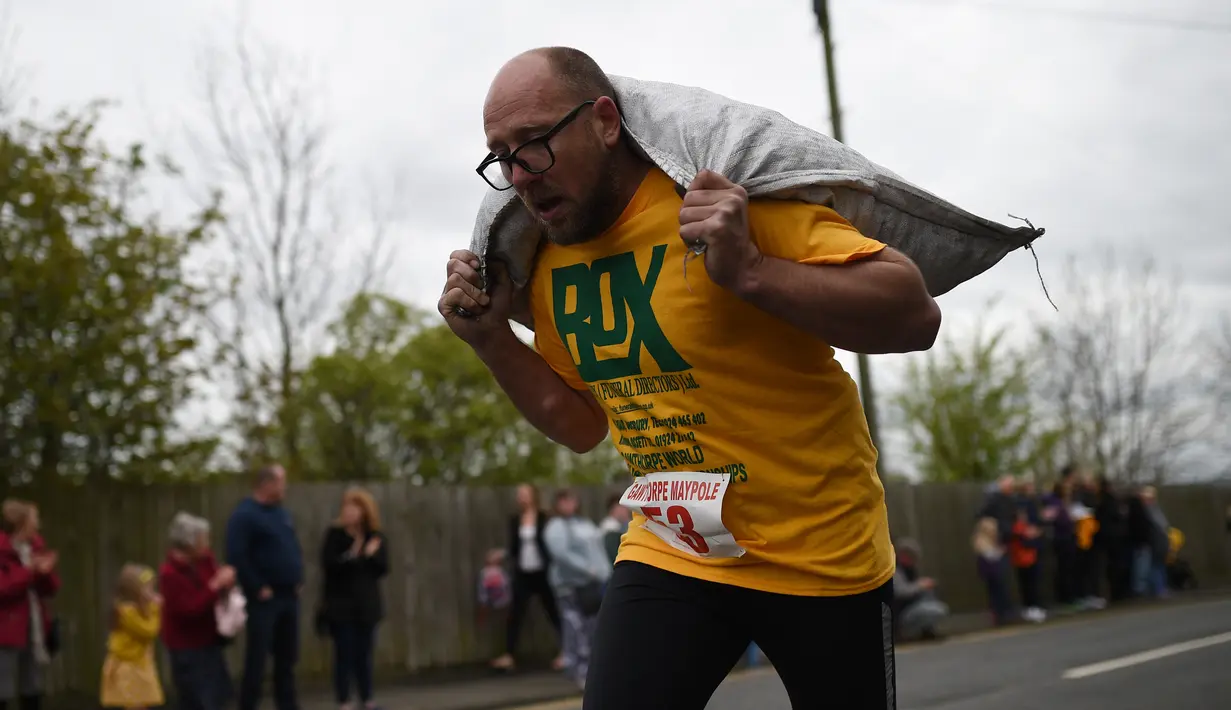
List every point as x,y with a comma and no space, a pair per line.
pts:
529,559
354,557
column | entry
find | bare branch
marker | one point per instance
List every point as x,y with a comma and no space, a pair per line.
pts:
262,138
1220,356
383,211
1118,365
12,74
264,142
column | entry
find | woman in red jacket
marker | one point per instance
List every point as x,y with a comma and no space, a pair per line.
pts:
191,582
28,579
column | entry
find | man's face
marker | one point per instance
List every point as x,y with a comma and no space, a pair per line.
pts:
275,490
575,199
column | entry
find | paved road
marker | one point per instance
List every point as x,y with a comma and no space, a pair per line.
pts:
1170,658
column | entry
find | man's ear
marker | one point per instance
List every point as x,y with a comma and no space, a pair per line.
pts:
607,112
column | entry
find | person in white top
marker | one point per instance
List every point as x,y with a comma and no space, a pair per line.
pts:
529,559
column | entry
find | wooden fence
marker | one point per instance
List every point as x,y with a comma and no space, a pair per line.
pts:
437,540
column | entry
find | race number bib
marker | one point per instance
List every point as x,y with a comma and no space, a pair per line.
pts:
684,509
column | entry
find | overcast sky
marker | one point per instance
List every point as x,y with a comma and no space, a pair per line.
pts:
1109,132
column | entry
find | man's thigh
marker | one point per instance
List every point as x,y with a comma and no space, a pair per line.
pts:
661,642
286,631
259,630
830,651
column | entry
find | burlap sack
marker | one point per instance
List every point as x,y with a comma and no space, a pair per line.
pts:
684,129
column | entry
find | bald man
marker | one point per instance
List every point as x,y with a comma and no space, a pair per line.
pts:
264,548
758,512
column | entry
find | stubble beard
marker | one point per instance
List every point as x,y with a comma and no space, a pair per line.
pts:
593,216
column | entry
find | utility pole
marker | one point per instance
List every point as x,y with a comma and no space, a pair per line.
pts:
821,7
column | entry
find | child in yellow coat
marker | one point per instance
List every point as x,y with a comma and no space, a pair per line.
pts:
130,680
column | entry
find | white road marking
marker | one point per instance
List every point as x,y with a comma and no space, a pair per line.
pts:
1145,656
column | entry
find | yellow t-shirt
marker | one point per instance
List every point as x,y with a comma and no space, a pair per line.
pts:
749,394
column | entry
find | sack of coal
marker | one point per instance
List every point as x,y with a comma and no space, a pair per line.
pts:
683,130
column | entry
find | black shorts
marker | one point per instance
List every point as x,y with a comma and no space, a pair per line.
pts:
665,642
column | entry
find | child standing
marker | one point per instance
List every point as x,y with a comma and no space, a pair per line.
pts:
993,568
130,680
495,591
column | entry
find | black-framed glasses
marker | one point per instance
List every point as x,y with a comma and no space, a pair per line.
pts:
534,156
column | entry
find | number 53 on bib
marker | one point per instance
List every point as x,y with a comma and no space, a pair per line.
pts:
684,509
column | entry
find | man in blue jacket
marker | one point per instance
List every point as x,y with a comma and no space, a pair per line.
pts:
268,561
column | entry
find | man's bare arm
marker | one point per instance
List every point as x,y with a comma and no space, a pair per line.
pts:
879,304
481,319
569,417
876,305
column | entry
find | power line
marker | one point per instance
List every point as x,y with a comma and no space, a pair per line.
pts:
1090,15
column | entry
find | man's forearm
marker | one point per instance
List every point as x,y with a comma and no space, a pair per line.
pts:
876,306
567,416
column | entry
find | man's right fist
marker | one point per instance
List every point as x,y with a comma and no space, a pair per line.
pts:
475,315
463,285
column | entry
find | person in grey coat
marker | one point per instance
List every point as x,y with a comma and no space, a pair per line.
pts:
917,609
1155,544
579,569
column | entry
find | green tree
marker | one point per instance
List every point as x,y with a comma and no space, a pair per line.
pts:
351,401
969,411
96,312
397,396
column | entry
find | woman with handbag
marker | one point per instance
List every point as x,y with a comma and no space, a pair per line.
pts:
354,557
28,579
194,590
579,569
